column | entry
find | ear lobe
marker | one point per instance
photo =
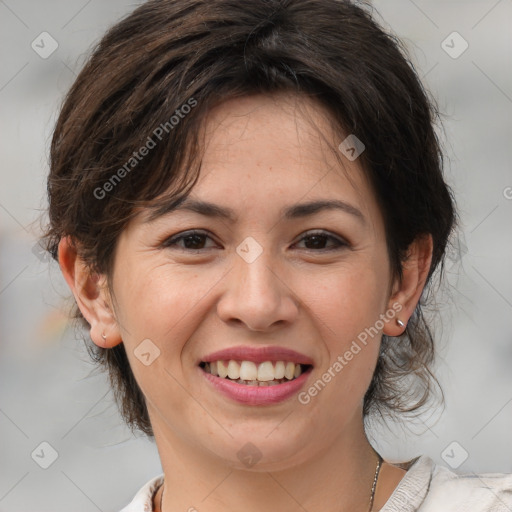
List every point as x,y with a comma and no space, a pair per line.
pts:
91,295
408,289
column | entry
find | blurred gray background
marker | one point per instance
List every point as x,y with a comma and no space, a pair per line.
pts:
56,412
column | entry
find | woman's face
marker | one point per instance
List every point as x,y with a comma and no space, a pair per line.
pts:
312,281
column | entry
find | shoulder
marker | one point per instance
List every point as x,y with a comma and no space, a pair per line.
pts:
143,499
469,491
429,487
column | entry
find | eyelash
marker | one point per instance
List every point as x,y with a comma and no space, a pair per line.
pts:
173,241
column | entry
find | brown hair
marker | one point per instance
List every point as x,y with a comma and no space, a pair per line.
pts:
170,54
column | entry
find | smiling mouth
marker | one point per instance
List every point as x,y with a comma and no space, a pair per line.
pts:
268,373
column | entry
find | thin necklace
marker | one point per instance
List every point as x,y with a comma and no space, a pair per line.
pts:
375,478
374,485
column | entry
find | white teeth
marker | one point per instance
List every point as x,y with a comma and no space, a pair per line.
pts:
248,371
289,371
279,370
233,370
266,371
222,369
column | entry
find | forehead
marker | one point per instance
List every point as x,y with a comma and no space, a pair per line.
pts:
263,144
275,133
269,153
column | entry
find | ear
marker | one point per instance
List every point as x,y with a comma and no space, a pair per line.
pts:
407,290
91,296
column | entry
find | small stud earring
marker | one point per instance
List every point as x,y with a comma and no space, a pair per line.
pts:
103,336
399,322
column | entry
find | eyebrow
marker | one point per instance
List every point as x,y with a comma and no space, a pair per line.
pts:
296,211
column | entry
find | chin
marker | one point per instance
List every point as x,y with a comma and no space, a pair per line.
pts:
262,450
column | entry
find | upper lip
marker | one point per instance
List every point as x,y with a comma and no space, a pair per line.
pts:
257,355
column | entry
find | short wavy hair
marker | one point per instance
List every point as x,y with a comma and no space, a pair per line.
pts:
167,53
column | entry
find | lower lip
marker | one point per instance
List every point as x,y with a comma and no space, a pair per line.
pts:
256,395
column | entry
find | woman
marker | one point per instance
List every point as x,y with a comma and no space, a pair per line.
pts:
247,202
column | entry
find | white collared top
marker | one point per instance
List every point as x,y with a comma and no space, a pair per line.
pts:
426,487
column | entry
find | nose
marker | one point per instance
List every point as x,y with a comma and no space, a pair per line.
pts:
257,295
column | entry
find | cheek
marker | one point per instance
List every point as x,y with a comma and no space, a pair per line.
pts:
164,305
155,300
159,307
347,301
346,306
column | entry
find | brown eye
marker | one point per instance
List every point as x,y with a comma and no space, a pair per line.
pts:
317,241
191,241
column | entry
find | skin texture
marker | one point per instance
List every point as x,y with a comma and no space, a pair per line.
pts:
261,155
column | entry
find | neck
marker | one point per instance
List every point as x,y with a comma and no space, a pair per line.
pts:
339,478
